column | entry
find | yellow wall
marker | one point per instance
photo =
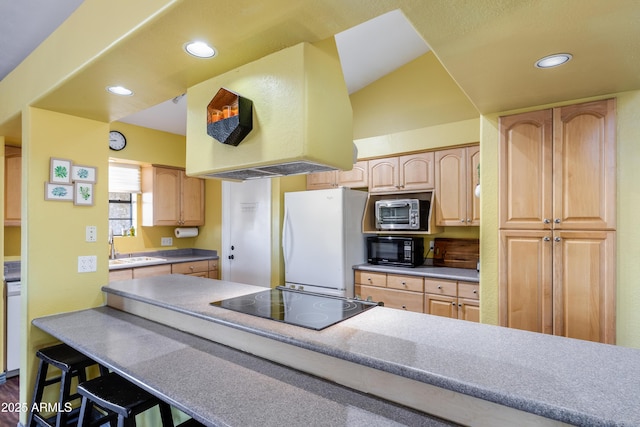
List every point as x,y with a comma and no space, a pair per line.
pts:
53,232
420,94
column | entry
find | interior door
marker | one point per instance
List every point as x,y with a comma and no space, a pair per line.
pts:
246,232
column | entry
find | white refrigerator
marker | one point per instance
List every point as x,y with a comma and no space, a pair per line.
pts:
322,239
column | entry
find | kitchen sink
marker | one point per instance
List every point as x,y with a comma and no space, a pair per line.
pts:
135,260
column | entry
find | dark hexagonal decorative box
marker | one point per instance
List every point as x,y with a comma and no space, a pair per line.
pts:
229,117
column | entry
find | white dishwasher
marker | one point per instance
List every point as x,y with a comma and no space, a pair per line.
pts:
13,328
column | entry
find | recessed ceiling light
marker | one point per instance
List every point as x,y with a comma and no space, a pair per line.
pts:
553,60
199,49
120,90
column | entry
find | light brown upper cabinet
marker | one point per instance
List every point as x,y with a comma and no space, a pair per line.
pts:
456,180
170,197
557,168
358,177
12,186
557,220
410,172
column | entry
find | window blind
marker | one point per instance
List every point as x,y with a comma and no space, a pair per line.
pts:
124,178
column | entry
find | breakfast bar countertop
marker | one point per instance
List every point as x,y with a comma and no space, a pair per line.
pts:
567,380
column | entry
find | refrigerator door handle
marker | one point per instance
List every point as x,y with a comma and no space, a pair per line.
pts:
285,233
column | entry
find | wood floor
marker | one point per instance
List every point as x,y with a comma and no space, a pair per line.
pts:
9,394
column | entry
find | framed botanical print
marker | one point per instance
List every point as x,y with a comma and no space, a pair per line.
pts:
83,194
60,172
81,173
61,192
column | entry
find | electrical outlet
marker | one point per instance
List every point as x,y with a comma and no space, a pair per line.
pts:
90,233
431,245
87,264
166,241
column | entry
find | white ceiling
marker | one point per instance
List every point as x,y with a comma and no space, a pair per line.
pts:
367,51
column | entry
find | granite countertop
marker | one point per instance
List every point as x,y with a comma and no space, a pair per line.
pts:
215,384
568,380
449,273
171,256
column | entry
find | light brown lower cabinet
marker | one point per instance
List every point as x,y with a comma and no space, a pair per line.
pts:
448,298
206,269
559,282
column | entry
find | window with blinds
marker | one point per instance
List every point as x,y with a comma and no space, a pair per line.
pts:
124,187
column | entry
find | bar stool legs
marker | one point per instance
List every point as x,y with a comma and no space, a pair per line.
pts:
71,364
118,398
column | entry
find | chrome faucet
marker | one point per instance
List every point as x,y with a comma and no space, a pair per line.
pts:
112,245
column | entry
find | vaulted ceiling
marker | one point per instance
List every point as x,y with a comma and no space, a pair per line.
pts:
488,47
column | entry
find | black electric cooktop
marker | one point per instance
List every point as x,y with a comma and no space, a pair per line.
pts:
301,308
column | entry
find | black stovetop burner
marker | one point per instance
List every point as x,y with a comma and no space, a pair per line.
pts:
301,308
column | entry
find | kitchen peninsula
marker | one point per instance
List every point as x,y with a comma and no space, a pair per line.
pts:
471,373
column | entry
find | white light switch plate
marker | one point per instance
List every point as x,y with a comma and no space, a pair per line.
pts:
90,233
87,264
166,241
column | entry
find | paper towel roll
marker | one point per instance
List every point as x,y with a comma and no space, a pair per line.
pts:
186,232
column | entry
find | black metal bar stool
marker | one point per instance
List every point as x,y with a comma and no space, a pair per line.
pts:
71,363
118,399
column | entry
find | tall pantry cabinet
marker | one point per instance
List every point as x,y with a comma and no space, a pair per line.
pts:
557,183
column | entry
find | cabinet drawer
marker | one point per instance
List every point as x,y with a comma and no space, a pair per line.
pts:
405,283
154,270
440,287
403,300
369,278
468,290
213,264
190,267
115,275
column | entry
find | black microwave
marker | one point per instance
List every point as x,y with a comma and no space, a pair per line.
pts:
395,250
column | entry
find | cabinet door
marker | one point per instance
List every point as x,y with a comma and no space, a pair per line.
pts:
383,175
160,196
584,166
473,202
451,198
525,290
440,305
417,171
191,201
469,310
584,285
321,180
525,170
12,186
358,177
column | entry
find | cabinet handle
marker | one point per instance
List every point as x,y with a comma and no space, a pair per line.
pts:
404,307
557,239
404,284
459,305
462,220
439,287
369,279
547,221
468,219
453,304
191,267
475,291
557,220
546,239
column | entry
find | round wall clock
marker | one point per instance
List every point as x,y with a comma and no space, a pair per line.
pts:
117,141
